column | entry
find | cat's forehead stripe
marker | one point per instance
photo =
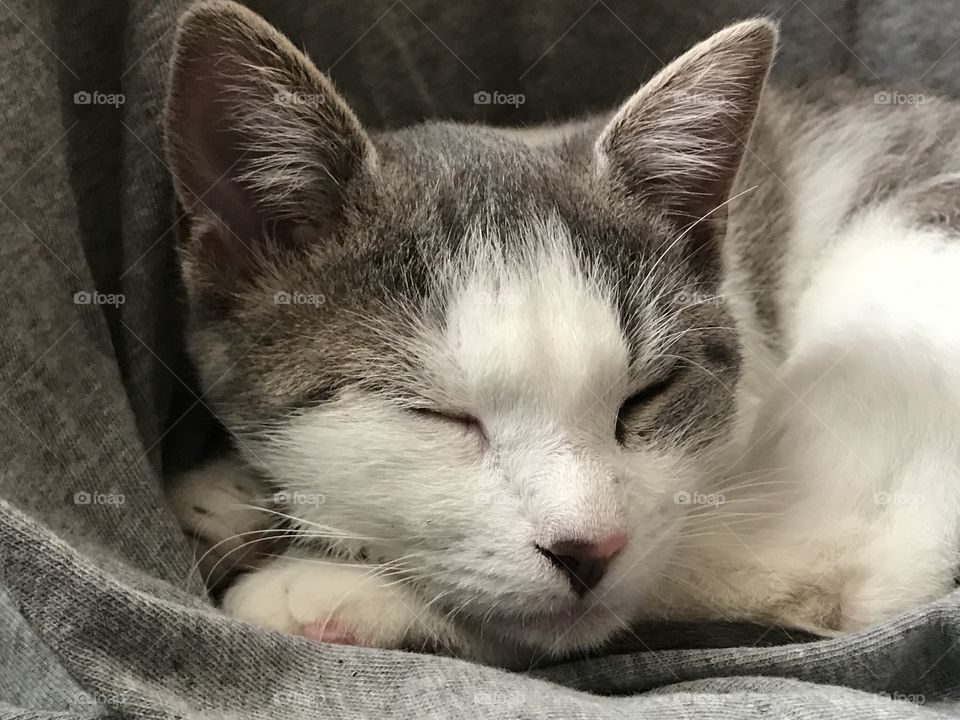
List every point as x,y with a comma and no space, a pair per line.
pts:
535,321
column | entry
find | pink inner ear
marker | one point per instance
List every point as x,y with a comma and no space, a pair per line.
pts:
329,632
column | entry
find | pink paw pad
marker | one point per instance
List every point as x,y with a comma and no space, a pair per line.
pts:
329,632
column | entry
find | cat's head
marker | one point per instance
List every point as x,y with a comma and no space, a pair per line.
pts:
498,366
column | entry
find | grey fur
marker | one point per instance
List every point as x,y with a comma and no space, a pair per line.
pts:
912,163
404,202
307,201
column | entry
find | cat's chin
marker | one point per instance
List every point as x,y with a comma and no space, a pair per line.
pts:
535,639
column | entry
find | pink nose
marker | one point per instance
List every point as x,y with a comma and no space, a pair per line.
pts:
584,563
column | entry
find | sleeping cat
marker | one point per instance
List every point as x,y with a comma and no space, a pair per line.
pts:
506,392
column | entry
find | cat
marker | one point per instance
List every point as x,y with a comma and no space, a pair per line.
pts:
504,393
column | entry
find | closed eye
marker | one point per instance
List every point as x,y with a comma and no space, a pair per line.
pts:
462,420
645,396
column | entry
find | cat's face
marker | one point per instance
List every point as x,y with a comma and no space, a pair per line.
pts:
455,352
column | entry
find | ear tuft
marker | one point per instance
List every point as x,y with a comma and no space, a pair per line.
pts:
680,139
258,140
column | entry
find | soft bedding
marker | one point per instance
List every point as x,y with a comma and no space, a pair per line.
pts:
101,613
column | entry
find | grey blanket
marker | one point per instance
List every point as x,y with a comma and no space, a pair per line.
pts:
100,614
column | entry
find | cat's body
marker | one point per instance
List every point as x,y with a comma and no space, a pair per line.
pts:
536,395
842,266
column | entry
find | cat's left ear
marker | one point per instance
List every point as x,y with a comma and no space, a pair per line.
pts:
266,156
678,142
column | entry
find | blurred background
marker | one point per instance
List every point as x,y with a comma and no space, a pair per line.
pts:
401,61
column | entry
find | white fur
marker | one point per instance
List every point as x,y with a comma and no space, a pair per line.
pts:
298,590
835,507
533,349
856,439
222,505
843,507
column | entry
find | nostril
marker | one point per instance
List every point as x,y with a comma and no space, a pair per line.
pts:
567,562
584,563
562,562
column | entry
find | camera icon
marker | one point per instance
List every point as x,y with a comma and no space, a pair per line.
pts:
882,98
82,98
281,298
482,98
681,498
882,498
281,498
82,498
82,297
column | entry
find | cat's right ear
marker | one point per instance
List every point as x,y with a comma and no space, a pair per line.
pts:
263,150
679,140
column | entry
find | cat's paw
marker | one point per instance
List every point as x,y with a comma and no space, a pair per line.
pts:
333,602
225,508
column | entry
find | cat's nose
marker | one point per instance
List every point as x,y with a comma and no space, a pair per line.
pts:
584,563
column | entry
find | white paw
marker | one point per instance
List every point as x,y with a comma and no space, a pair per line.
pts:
225,506
333,602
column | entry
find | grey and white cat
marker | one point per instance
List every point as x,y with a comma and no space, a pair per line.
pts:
518,389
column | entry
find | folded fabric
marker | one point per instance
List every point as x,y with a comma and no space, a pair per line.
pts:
100,612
